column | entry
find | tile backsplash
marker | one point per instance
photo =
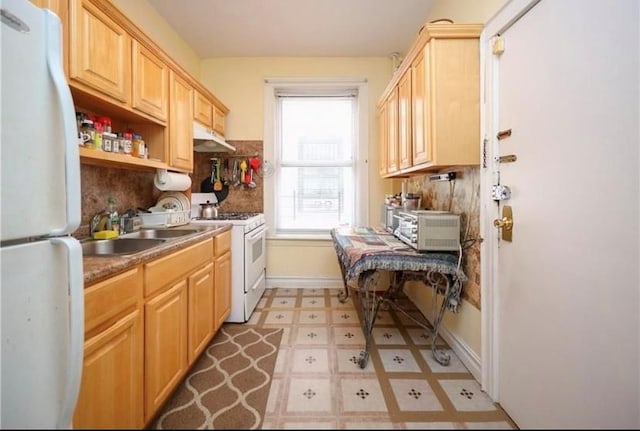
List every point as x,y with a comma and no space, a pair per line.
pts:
460,197
134,188
240,198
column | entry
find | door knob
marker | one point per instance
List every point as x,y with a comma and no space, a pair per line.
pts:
505,224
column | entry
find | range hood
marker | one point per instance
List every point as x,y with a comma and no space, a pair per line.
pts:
206,140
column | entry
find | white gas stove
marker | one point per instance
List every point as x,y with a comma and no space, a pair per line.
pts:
248,255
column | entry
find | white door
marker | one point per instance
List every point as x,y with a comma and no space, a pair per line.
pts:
565,291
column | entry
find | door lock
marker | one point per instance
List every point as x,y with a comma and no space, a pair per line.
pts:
505,224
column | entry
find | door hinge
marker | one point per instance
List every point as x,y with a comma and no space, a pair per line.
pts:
485,141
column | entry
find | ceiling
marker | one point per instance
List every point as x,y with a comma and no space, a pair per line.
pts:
291,28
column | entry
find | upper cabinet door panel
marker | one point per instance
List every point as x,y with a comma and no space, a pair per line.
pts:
180,123
202,109
218,120
100,52
150,83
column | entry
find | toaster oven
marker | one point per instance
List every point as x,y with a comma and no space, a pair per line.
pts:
427,230
389,218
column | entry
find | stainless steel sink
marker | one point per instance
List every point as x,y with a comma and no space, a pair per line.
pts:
118,246
160,233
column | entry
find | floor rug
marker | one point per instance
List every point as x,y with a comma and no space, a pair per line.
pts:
229,385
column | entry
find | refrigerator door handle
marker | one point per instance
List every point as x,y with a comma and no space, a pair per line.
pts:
69,127
76,330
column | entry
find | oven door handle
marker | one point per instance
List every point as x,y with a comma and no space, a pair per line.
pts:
258,233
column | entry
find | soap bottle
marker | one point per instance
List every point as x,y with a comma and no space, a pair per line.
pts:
114,218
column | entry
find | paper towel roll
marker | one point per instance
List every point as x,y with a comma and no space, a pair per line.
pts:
171,181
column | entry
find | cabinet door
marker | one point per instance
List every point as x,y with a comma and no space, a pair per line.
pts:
201,311
150,83
392,132
165,345
111,392
383,138
404,121
219,118
421,111
202,109
180,123
222,288
100,52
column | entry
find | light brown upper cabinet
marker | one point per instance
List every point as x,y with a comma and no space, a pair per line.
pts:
382,138
219,117
202,109
150,83
392,132
405,158
438,92
100,52
180,123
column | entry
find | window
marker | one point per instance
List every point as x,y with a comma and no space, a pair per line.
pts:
318,158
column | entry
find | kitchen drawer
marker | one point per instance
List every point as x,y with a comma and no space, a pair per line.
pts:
105,301
164,271
222,243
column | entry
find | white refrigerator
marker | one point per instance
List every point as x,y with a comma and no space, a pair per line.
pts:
41,290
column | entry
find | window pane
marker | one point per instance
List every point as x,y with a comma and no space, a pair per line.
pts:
317,128
315,198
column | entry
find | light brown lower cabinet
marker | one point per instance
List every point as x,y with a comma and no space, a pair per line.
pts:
165,334
201,310
111,390
145,327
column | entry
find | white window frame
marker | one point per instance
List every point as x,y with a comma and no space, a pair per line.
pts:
316,86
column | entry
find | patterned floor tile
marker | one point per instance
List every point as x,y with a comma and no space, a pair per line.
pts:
414,395
318,382
282,360
274,395
421,336
279,317
349,335
312,335
310,361
345,317
313,291
455,365
255,318
398,360
466,395
316,317
283,302
384,318
361,395
383,336
285,291
309,395
347,360
312,302
335,303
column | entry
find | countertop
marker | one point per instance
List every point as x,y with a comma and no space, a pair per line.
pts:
97,268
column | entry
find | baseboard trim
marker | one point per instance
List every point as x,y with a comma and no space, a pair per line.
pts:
468,357
304,282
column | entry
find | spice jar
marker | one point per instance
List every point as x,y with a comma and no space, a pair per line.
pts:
126,143
139,149
97,136
86,133
107,141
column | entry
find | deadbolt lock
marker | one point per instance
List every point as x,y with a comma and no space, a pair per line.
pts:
505,224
